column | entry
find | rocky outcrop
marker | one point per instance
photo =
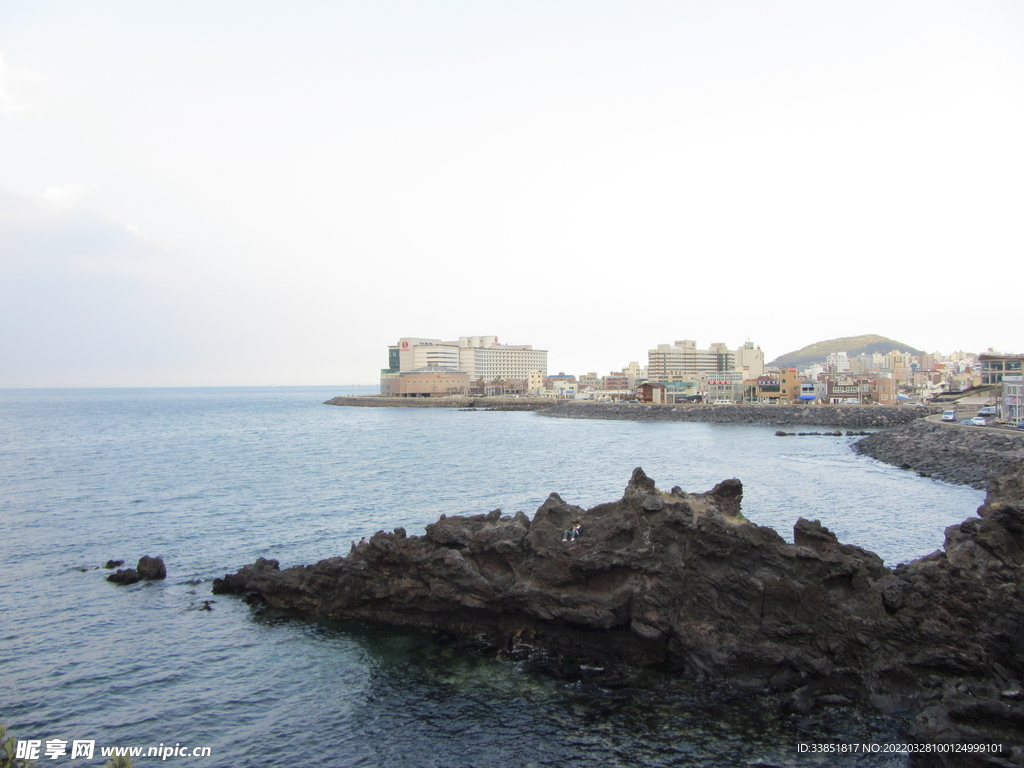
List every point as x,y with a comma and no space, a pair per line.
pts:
148,568
681,581
951,452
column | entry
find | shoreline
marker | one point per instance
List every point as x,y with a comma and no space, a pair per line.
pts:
949,452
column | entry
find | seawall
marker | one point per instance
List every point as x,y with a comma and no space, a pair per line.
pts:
483,403
810,415
875,416
951,452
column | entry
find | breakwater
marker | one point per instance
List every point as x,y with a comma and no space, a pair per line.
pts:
479,403
860,416
951,452
809,415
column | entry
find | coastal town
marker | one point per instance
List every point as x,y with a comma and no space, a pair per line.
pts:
680,372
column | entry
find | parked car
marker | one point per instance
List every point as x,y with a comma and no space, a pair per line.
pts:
979,421
967,422
949,415
1020,425
988,410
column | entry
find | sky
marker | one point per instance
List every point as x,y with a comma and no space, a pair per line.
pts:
253,193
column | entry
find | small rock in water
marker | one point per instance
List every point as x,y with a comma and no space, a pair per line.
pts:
124,576
112,564
151,568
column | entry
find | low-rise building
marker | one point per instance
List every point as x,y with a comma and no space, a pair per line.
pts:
883,390
1011,405
812,391
651,392
994,366
535,382
429,381
723,387
683,392
776,388
562,385
847,390
617,380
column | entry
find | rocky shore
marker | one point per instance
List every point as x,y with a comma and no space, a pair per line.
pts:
951,452
682,582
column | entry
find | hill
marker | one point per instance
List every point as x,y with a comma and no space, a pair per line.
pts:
851,345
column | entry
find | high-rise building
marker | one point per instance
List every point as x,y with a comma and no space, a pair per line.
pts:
669,362
750,359
478,356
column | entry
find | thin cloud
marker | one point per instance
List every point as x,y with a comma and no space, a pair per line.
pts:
68,195
12,80
60,226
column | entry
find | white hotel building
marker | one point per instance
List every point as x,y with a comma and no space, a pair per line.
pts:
479,356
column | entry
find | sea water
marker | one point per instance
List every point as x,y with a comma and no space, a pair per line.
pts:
211,479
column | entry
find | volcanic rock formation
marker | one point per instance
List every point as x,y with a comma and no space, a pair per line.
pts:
684,582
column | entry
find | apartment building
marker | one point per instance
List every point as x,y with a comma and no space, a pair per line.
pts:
838,362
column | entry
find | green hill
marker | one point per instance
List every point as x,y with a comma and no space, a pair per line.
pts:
851,345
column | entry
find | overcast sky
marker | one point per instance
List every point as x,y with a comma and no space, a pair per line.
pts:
206,193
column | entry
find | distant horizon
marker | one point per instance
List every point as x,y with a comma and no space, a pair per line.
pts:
201,386
642,362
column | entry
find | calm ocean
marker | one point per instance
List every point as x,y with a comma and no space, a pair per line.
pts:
211,479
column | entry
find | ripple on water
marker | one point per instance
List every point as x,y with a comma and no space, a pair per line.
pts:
211,479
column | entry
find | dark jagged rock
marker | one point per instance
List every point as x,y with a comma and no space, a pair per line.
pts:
682,581
112,564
